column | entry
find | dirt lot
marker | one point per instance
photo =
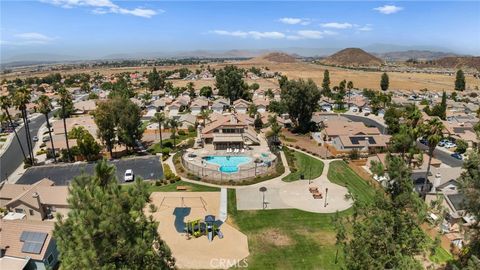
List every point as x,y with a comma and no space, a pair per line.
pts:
361,79
196,253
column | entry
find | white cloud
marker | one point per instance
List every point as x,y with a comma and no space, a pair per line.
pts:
32,38
293,21
252,34
104,7
28,38
388,9
337,25
365,28
302,34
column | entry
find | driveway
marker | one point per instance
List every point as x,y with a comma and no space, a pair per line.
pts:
148,167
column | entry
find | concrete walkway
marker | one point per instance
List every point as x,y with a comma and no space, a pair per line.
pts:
288,195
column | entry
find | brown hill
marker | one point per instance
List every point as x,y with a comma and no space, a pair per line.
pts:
277,57
352,57
458,62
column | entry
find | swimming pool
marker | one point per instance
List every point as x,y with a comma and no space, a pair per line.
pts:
227,164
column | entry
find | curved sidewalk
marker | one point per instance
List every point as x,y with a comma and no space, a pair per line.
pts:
288,195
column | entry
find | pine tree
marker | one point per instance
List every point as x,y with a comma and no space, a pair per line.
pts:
384,82
106,227
460,81
326,82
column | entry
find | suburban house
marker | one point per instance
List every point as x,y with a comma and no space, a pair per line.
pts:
335,129
229,132
261,104
220,105
356,103
187,120
27,244
39,201
198,105
241,105
174,109
361,142
84,107
445,179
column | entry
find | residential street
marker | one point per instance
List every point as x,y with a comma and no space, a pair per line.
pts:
12,157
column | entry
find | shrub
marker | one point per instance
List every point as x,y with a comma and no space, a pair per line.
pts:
167,172
461,146
191,129
158,183
182,133
168,144
171,181
354,154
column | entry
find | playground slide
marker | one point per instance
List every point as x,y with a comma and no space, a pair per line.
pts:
223,205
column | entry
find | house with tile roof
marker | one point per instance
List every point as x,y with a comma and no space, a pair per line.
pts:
27,244
241,105
229,131
39,201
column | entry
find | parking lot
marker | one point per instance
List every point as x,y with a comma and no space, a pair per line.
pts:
148,167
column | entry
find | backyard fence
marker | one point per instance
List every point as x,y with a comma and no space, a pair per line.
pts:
243,172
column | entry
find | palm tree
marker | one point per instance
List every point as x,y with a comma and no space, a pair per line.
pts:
5,103
65,99
45,107
433,131
173,123
159,118
205,115
21,98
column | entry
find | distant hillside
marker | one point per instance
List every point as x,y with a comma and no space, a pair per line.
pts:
458,62
352,57
277,57
420,55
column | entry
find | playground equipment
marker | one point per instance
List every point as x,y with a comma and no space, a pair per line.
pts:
197,228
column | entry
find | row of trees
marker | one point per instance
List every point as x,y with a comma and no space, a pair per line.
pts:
20,98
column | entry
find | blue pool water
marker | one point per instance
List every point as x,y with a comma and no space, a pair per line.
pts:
227,164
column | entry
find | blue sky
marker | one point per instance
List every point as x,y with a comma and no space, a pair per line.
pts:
95,28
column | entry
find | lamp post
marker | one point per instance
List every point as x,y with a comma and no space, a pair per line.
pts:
263,190
326,194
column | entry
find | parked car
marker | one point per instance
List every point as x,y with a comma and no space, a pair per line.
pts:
450,145
35,139
457,156
424,141
128,175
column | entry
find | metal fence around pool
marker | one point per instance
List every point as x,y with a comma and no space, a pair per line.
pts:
216,175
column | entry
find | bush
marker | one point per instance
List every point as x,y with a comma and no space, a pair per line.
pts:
182,133
166,151
167,172
191,129
354,154
158,183
168,144
461,146
41,152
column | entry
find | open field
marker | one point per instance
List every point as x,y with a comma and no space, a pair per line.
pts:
294,239
302,70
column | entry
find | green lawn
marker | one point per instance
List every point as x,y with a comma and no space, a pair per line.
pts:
287,239
304,164
294,239
341,174
441,256
167,141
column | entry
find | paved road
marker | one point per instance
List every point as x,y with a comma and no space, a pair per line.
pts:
443,156
12,157
148,167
